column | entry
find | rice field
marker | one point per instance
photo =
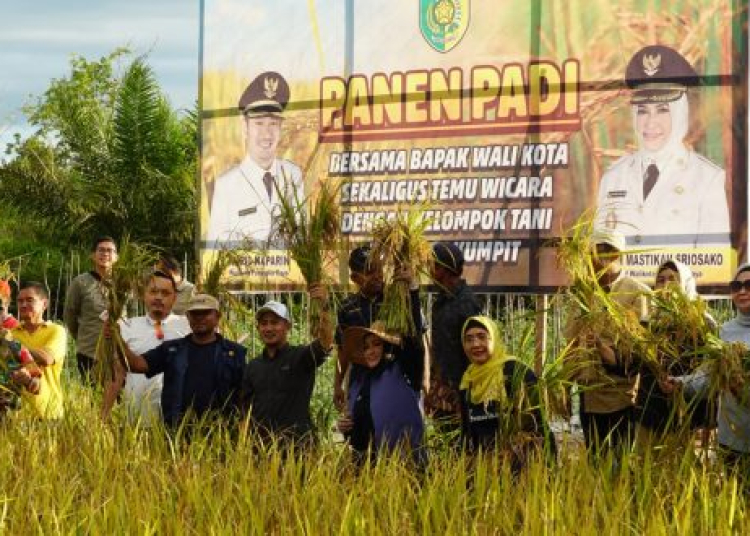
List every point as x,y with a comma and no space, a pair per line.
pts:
84,476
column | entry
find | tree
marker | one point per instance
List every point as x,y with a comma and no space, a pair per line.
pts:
110,156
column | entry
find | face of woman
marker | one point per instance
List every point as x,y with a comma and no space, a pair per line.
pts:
373,351
667,277
653,122
477,345
740,288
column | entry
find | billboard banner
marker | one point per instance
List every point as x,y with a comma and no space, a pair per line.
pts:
505,122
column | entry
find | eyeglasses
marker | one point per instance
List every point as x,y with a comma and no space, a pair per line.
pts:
106,250
479,337
736,286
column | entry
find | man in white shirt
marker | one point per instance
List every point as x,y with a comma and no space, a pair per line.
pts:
246,197
142,395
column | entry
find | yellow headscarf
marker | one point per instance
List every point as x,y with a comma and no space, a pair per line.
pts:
485,382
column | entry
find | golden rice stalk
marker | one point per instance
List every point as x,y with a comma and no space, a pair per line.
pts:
236,316
729,367
594,311
123,286
682,329
6,274
309,227
399,243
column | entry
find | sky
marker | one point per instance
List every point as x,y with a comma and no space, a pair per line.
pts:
38,38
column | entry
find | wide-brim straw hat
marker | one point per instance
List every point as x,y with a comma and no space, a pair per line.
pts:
352,348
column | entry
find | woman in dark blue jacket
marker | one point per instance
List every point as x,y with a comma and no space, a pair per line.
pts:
383,412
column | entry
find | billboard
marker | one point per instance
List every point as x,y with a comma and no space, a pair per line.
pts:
505,120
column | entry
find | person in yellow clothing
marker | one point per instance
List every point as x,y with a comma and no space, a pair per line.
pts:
47,343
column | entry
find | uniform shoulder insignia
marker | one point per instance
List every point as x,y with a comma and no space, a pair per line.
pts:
227,174
706,161
621,162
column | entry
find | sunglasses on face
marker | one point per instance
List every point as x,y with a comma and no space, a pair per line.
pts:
736,286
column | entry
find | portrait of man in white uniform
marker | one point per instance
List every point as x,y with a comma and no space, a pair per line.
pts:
665,193
246,197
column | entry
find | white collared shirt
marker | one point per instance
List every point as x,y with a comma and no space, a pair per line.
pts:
143,395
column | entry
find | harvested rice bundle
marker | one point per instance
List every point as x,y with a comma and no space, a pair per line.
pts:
309,227
729,366
682,330
123,285
595,312
233,323
399,243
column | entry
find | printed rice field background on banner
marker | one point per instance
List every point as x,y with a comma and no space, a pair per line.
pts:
505,233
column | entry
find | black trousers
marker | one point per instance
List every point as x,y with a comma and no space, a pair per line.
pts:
85,367
605,431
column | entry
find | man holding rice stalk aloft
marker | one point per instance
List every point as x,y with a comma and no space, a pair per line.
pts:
609,303
278,384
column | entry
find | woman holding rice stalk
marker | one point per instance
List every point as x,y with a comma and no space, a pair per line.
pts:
500,409
733,416
383,412
679,323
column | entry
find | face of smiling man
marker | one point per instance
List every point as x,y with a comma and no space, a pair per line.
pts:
262,134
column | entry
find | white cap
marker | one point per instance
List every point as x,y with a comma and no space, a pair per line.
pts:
277,308
609,237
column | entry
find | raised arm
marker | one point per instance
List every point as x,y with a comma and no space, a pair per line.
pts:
325,329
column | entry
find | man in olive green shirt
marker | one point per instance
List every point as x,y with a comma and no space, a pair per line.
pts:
86,304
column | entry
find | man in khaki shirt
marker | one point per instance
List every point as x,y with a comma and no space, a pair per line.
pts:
608,377
86,304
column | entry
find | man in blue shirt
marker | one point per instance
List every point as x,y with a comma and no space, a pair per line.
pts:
202,371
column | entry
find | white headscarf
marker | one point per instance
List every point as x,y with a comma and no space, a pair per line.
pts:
680,114
687,279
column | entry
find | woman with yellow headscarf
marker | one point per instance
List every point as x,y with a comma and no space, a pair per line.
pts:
498,395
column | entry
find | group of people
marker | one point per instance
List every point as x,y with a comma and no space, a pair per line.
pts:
628,403
454,369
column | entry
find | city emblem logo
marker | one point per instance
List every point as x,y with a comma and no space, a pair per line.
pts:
270,87
651,64
443,22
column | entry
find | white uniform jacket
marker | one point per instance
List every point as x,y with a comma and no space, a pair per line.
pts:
687,206
241,208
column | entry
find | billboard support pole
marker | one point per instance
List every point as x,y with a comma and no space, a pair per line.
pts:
540,331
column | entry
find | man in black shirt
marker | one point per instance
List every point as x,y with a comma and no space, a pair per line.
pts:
358,310
278,384
454,304
202,372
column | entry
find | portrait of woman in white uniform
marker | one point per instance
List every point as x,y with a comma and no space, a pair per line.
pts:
665,193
